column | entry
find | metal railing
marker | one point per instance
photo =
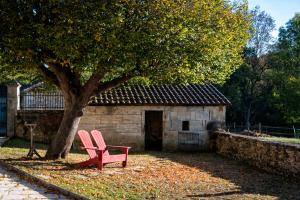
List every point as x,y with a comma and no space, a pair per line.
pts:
42,101
289,132
190,141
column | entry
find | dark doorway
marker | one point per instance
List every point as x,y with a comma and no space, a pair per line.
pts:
153,130
3,110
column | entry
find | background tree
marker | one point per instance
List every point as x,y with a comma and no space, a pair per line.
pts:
249,84
85,47
285,59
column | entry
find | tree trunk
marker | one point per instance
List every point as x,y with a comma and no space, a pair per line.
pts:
248,115
62,142
76,97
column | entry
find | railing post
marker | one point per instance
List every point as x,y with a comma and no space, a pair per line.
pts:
13,105
295,135
234,127
259,127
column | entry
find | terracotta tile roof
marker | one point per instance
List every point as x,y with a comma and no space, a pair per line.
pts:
188,95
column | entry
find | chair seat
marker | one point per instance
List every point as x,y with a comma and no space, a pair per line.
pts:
114,158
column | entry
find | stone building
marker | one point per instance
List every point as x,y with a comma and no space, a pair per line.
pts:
161,117
156,117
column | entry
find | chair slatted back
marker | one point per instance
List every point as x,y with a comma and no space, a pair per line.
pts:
87,142
98,138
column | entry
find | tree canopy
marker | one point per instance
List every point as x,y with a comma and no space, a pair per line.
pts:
286,74
164,40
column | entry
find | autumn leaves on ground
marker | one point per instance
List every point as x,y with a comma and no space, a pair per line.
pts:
155,175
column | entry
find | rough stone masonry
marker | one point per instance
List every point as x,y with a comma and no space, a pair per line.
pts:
275,157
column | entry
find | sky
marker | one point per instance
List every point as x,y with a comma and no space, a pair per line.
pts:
281,10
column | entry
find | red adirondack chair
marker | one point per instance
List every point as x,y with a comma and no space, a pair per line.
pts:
104,155
91,150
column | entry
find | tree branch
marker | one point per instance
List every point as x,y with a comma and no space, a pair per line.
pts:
49,75
93,81
63,79
122,79
113,83
91,85
74,78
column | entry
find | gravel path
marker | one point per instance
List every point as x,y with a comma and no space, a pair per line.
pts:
14,188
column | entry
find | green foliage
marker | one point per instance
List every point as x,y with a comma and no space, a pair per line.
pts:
286,71
162,41
249,85
283,139
286,99
12,72
270,82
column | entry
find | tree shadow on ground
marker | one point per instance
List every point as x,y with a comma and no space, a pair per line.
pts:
25,144
249,180
37,163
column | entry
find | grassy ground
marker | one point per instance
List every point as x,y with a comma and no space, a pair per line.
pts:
283,139
155,175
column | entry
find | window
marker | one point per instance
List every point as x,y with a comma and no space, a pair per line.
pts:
185,125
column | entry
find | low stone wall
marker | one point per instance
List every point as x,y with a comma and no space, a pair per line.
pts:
275,157
47,125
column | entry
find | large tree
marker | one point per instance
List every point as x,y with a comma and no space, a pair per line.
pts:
85,47
286,71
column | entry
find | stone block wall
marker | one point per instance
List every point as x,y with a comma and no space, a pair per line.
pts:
275,157
124,125
47,125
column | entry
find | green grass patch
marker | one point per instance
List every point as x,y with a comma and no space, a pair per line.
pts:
283,139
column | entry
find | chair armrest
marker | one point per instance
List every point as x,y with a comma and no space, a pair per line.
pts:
93,148
120,147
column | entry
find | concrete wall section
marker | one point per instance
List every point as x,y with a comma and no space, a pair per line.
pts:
124,125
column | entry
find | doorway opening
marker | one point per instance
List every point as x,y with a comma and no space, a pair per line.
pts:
153,130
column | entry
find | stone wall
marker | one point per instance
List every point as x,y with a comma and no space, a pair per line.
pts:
276,157
124,125
47,125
